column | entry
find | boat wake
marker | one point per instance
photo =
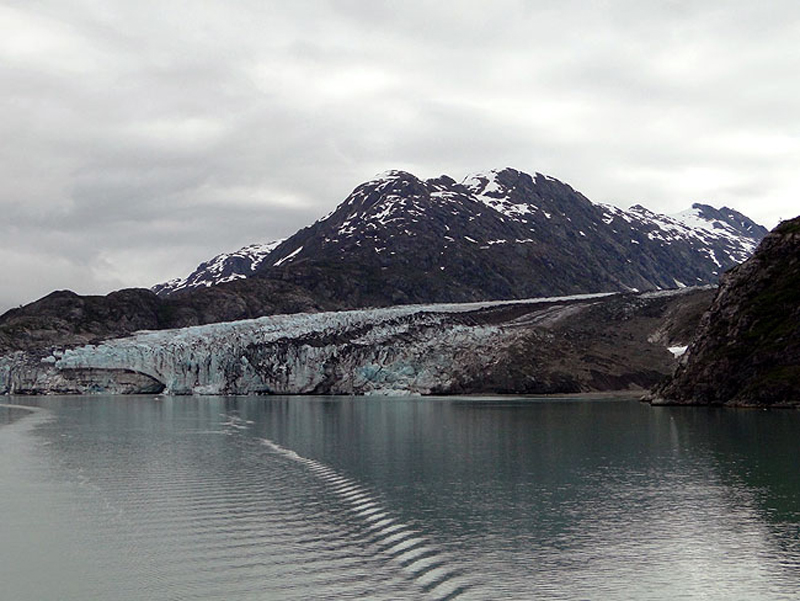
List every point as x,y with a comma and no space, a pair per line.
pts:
392,540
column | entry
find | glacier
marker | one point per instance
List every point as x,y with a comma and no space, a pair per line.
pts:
411,349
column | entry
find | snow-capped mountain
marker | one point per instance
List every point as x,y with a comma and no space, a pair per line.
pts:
725,232
496,235
225,267
502,234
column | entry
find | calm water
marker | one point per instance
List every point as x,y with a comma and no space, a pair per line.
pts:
312,498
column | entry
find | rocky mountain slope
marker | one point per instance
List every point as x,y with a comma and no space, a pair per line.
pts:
747,348
498,235
225,267
591,342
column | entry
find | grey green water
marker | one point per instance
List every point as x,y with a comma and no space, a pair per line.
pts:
261,498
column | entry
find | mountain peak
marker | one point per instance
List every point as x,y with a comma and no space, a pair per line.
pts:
493,182
642,210
392,175
497,234
721,222
518,195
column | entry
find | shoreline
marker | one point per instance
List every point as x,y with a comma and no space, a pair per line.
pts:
600,395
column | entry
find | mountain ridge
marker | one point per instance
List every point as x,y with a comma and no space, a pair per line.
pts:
500,234
223,268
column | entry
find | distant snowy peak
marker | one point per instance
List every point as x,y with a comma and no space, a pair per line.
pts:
725,236
390,175
225,267
391,203
722,222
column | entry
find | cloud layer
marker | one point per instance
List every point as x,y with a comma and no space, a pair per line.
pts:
139,138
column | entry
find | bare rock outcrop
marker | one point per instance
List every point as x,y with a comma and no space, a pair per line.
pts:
747,348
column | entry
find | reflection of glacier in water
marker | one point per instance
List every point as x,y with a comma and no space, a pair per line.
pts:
397,542
11,413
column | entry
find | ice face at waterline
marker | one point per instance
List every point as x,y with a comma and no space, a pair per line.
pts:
512,346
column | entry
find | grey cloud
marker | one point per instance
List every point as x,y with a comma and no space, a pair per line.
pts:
141,138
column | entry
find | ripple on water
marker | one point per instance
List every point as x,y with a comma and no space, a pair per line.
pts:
394,542
127,499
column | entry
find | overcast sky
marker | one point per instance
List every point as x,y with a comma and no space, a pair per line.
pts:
139,137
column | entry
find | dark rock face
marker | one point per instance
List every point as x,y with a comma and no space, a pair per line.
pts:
498,235
66,318
615,343
747,348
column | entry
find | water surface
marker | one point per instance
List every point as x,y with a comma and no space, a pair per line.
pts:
311,497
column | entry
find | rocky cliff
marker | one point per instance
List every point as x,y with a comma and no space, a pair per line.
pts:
592,342
747,347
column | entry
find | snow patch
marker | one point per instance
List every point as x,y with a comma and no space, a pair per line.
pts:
288,257
485,188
